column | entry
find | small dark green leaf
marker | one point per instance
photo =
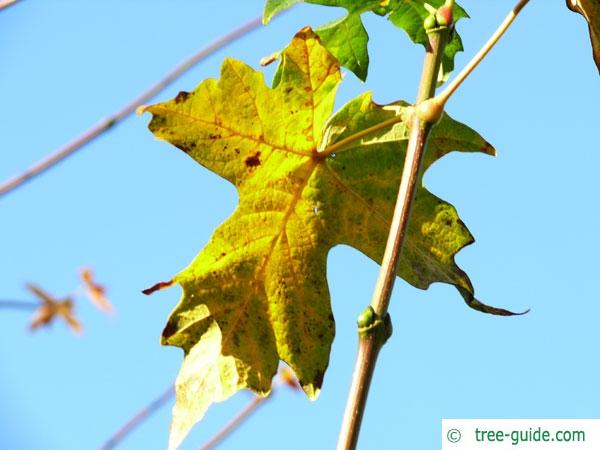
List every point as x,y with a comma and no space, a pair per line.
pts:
347,40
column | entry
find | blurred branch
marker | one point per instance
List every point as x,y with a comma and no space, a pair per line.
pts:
16,304
286,377
234,423
139,417
51,308
157,403
7,3
110,121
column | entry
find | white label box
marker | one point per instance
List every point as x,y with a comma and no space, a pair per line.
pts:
521,434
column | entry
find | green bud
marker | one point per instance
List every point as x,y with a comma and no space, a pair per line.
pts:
444,16
367,317
380,10
430,22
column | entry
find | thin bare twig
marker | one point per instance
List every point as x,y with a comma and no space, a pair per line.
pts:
286,378
167,395
482,53
110,121
139,417
7,3
234,423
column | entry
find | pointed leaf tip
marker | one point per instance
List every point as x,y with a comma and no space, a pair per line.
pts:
477,305
489,149
274,7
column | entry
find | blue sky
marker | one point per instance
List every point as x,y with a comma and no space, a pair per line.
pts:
138,210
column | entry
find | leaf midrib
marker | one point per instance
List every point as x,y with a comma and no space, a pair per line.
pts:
260,272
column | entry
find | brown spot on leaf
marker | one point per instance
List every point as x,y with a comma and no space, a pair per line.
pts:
182,97
169,330
254,160
157,287
182,147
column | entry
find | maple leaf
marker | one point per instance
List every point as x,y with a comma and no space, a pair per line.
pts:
347,39
258,293
95,291
590,9
51,308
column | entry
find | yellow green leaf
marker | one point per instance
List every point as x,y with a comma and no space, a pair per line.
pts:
257,293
